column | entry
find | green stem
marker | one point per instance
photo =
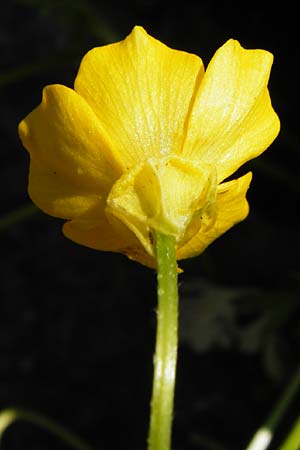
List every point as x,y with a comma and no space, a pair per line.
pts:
263,436
9,416
166,345
292,441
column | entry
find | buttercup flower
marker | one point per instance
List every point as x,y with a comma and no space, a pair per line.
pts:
145,141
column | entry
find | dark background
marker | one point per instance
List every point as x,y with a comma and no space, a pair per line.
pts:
77,326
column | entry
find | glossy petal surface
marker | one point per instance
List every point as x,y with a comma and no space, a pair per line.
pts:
70,154
232,119
140,91
59,197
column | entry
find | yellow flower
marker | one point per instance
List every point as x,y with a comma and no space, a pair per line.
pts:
145,141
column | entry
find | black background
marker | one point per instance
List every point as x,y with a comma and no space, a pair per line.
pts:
77,326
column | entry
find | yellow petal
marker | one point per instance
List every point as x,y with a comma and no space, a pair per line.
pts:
107,234
97,234
65,136
56,196
169,195
232,207
232,120
140,91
